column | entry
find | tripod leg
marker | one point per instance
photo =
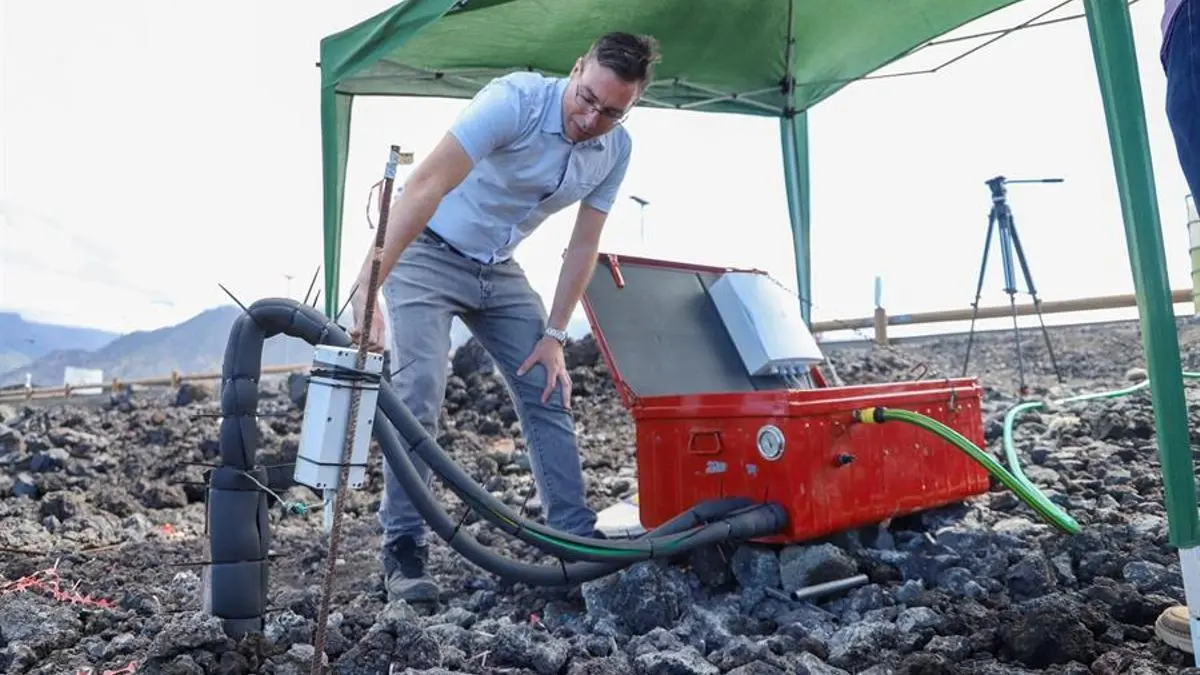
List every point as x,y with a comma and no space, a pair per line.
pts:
987,245
1012,301
1037,304
1010,287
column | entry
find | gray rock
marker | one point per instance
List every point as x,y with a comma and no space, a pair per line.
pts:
520,646
52,459
916,619
1031,577
185,632
640,597
609,665
1146,576
812,665
739,651
801,566
37,623
756,567
861,641
686,661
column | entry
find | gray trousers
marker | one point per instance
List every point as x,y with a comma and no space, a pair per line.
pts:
430,285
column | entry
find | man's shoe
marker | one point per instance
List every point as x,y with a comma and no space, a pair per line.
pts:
1172,628
404,573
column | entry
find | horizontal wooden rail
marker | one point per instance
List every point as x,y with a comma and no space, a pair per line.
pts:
880,321
173,380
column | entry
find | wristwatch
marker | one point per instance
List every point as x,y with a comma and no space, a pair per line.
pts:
556,334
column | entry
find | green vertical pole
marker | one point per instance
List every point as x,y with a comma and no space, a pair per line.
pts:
1120,89
335,145
343,55
793,133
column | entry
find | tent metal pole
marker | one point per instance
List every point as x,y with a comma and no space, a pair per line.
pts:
793,132
1111,35
793,136
335,130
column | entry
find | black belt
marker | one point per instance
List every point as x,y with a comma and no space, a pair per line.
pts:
441,240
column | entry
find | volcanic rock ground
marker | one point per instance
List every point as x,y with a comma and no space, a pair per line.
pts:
103,502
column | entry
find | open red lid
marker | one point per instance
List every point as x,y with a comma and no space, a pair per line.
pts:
660,331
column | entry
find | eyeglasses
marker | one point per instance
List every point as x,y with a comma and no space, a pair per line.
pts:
586,98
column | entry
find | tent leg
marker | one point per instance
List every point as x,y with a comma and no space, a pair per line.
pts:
793,133
1120,88
335,145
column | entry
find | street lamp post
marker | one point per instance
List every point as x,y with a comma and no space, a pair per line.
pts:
642,216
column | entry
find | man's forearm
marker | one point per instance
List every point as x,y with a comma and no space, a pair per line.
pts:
410,212
577,268
444,169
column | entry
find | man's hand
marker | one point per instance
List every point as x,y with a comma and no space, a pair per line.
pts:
377,333
549,353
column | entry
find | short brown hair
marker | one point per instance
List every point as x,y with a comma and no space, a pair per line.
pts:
630,57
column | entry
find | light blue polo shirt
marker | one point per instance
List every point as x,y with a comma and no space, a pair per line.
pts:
525,169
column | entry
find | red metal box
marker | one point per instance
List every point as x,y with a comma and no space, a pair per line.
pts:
699,415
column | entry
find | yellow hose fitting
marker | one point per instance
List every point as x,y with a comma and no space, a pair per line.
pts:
873,415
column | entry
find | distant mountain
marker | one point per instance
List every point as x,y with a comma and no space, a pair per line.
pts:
35,339
196,345
22,341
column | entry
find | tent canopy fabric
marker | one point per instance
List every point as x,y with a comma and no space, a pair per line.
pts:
718,55
772,58
769,58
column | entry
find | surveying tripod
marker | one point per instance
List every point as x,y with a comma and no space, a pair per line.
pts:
1001,217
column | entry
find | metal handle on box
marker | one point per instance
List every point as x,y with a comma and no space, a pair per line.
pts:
712,447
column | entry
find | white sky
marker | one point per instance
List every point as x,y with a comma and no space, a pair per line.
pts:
152,150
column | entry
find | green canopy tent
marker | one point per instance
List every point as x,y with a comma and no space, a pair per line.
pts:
774,58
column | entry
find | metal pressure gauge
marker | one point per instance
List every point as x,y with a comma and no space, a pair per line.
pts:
770,442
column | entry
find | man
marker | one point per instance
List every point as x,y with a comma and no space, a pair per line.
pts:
1180,26
526,147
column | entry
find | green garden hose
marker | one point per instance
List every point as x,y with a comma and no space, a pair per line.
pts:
1027,491
1010,450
